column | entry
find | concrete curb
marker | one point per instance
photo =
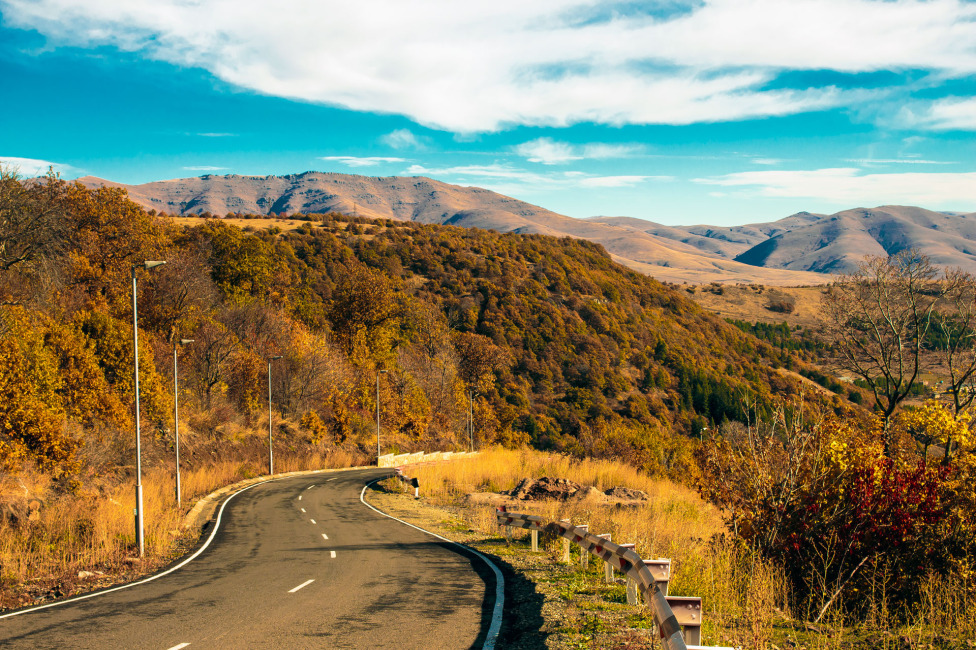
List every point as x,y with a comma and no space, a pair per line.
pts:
203,510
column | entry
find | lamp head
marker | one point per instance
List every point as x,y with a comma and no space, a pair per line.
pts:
186,341
151,264
273,358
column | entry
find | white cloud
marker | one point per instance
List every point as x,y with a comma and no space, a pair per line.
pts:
507,179
31,167
368,161
851,187
948,114
547,152
217,135
404,139
896,161
204,168
477,66
551,152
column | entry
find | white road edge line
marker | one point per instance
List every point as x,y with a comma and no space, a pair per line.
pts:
324,536
179,647
309,487
213,533
496,616
304,584
331,553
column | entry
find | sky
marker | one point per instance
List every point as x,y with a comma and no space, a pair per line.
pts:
711,111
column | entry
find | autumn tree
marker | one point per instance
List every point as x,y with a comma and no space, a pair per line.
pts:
877,320
32,217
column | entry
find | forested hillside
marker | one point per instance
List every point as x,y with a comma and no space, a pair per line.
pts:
551,343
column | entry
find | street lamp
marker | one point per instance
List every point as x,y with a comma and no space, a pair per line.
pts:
270,450
176,416
140,537
378,373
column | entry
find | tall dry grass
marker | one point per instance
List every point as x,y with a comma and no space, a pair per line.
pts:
746,598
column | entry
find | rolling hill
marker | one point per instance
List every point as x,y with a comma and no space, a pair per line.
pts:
802,249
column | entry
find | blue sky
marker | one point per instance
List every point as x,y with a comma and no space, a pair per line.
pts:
711,111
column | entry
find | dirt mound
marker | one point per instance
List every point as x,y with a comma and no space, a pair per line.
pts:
556,489
627,494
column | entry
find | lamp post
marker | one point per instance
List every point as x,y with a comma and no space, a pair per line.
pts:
270,450
176,416
378,373
140,537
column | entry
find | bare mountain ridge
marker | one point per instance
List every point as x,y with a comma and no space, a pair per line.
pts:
796,250
429,201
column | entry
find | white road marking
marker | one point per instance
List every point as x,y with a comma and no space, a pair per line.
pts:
179,647
330,479
304,584
496,617
299,497
312,520
324,536
303,509
309,487
332,553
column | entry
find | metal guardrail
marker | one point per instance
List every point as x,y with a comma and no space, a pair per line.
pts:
678,618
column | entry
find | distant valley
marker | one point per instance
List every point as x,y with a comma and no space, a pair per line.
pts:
802,249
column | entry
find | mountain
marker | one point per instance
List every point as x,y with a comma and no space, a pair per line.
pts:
833,243
425,200
796,250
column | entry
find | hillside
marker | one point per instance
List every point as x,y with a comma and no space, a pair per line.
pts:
833,243
424,200
562,347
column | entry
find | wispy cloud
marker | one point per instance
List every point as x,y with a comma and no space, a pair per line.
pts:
470,67
217,135
364,161
869,162
851,187
949,114
31,167
405,139
552,152
508,176
204,168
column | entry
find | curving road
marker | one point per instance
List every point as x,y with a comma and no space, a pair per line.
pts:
295,563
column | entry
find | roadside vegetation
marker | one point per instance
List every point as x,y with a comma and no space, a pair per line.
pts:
749,599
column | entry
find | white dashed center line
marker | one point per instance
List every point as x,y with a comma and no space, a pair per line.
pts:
179,647
303,509
331,553
324,536
299,497
309,487
312,520
304,584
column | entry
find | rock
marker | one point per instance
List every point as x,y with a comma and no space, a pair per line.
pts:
619,492
85,574
589,492
558,489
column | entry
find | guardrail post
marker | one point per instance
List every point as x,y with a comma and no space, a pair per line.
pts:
607,567
632,595
584,554
535,541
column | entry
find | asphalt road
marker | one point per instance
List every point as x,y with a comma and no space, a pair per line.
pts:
295,563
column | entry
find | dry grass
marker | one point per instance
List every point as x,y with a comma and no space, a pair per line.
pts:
745,598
